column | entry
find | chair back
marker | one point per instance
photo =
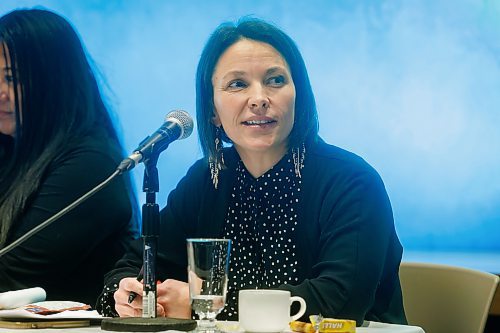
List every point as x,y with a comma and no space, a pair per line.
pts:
446,299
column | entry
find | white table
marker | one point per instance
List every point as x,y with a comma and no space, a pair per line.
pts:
376,327
369,327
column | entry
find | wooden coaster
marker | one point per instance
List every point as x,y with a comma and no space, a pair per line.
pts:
134,324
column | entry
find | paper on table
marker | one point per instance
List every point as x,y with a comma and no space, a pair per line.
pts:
24,312
16,298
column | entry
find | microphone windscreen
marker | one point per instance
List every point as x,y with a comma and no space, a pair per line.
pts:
182,118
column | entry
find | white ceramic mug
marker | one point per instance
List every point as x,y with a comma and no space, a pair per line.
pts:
265,310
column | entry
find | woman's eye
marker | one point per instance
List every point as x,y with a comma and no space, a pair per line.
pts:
277,81
8,78
237,84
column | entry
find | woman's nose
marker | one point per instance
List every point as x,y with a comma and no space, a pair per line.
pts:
4,96
258,99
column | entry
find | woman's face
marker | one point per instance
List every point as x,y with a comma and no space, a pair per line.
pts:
7,104
254,97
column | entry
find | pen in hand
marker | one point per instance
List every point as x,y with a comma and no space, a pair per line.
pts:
133,295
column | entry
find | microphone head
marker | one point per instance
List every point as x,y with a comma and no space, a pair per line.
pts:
184,120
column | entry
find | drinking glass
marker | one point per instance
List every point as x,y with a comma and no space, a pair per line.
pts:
208,265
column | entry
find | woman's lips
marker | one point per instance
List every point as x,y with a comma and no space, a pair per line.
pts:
262,123
6,114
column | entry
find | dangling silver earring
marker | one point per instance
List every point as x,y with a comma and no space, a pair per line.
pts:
298,155
216,162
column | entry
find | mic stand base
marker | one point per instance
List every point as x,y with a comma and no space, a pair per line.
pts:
138,324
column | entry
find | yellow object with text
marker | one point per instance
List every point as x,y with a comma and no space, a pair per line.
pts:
324,325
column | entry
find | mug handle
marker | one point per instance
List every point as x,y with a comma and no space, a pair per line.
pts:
302,309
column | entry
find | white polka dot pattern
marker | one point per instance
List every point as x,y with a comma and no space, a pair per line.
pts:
106,302
261,221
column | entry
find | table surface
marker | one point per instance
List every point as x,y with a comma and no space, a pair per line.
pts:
369,327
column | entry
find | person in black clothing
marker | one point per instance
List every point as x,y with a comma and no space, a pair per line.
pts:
57,142
303,215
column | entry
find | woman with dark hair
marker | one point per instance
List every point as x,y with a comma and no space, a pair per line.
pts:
302,215
57,142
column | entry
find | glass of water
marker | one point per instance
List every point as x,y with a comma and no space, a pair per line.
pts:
208,265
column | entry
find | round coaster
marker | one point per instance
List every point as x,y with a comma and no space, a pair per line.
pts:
134,324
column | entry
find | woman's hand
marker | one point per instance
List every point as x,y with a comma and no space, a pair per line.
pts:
173,299
134,309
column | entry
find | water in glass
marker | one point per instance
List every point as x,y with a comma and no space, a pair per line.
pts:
208,265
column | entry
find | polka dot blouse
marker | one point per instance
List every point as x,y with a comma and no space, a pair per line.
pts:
261,221
106,303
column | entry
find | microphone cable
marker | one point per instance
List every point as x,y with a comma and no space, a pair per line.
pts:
178,120
61,213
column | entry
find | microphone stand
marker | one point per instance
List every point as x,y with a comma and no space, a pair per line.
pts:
150,234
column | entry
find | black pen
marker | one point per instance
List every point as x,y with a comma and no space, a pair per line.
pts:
133,295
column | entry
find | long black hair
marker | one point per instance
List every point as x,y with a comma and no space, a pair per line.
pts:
256,29
57,99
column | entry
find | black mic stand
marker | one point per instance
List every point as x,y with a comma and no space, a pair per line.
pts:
150,233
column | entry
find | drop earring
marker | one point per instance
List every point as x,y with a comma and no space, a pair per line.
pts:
216,163
298,155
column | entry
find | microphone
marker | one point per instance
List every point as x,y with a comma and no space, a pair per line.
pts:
178,125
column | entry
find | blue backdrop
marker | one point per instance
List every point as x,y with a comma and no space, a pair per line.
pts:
411,86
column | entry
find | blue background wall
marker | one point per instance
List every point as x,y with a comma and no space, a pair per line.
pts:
411,86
